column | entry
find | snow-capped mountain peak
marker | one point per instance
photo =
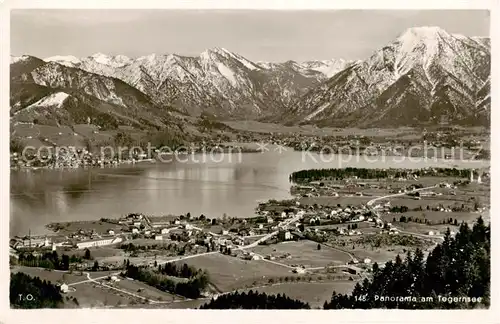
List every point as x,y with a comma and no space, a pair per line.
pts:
63,59
327,67
423,75
425,32
55,99
15,59
113,61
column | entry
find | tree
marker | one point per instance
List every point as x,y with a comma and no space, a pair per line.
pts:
318,247
87,255
16,145
459,266
44,294
123,139
65,262
96,266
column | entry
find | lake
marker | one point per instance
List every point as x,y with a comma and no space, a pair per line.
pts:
200,184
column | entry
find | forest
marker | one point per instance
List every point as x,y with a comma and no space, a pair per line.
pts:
458,268
29,292
184,271
190,289
363,173
48,260
254,300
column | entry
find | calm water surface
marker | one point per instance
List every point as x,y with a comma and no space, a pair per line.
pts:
230,184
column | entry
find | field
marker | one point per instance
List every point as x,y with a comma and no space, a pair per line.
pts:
334,201
104,255
314,293
435,217
97,253
92,295
98,226
228,273
362,250
379,255
260,127
88,294
304,253
145,290
178,304
53,276
39,135
58,276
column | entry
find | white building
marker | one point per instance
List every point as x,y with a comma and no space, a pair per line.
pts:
164,231
99,242
64,288
111,232
135,231
158,237
367,261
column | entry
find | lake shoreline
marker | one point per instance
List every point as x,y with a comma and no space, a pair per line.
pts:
214,187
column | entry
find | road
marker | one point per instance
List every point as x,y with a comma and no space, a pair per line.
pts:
202,230
370,203
376,213
398,194
268,236
94,280
187,257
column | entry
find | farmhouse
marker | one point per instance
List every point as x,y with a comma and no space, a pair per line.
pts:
352,269
284,235
64,288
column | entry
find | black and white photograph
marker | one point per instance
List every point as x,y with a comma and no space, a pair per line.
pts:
249,159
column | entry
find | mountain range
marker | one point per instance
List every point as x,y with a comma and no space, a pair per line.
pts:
424,76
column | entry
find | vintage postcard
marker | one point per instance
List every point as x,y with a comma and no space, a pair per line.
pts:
193,159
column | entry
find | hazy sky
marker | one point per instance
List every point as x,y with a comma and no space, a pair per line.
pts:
257,35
